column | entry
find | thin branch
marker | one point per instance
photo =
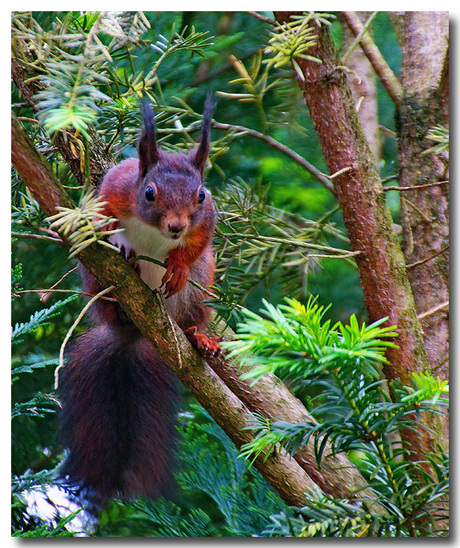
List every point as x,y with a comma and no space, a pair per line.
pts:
358,38
46,294
390,132
423,261
72,291
418,210
381,67
404,188
37,237
323,179
433,310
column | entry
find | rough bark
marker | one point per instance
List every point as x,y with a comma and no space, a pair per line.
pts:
424,211
368,221
229,403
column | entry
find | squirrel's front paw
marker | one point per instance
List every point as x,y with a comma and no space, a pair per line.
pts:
175,278
208,346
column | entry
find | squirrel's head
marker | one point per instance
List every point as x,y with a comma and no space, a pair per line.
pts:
171,192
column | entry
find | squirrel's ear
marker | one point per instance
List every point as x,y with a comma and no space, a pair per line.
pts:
147,145
202,151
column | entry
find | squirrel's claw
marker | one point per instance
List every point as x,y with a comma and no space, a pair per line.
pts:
129,256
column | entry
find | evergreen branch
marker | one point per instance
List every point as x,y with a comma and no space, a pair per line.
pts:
38,319
85,224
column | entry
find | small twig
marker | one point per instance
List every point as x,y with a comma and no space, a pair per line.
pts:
442,362
403,188
262,18
71,330
381,67
433,310
359,103
418,210
49,231
72,291
423,261
112,140
340,172
46,294
345,255
384,129
25,119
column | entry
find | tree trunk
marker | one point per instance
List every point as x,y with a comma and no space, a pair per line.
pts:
425,211
366,216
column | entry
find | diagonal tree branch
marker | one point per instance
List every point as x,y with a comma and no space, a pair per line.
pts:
228,399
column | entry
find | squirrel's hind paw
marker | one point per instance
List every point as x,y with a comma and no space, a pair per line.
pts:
207,346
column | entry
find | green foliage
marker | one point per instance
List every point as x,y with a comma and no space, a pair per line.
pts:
279,234
352,411
39,319
258,243
26,434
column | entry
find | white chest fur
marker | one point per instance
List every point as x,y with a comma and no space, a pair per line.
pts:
145,240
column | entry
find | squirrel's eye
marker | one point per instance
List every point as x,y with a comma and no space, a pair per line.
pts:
201,196
150,194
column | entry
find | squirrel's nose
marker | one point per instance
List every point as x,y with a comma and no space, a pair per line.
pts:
176,228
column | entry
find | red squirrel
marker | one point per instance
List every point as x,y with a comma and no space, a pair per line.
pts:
119,397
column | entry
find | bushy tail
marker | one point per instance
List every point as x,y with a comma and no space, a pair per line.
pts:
118,417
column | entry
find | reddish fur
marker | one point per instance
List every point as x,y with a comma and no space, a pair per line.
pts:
118,394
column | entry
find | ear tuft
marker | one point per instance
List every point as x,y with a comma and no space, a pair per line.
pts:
147,145
202,152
